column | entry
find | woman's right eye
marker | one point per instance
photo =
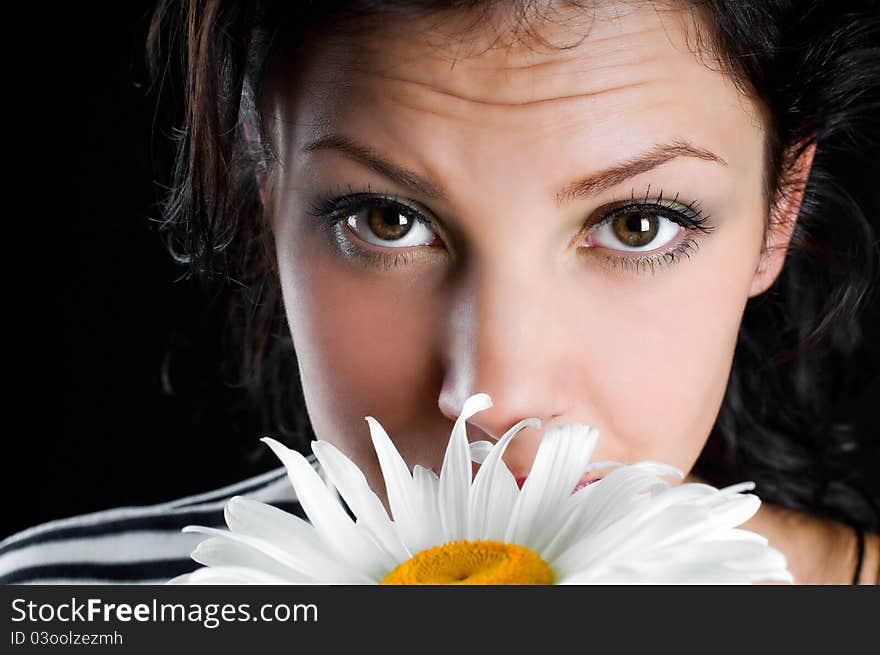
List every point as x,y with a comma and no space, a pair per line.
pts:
390,226
381,221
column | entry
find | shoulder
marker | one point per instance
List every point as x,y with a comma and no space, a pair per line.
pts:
131,545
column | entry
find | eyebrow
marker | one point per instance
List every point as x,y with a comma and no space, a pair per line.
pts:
646,161
372,160
584,188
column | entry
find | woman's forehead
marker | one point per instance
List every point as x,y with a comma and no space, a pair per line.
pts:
573,51
450,103
611,56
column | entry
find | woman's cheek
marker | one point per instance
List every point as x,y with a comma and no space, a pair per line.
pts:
363,343
667,356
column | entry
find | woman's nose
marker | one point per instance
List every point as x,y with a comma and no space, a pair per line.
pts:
505,337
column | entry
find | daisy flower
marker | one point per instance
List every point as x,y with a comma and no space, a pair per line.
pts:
631,526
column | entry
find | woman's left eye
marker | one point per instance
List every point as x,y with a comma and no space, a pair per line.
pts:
635,229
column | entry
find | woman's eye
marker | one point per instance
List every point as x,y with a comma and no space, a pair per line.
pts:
390,225
634,230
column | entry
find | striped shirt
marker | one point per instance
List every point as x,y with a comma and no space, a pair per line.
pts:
132,545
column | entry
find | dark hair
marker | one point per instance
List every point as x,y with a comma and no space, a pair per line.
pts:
813,65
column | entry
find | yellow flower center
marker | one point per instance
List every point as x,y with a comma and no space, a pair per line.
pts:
473,562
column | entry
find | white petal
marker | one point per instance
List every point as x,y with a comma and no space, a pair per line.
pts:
644,531
329,518
597,464
480,450
225,575
495,490
663,496
363,501
698,562
428,485
617,494
296,537
617,542
737,510
219,551
455,475
400,489
288,557
562,456
251,517
572,512
736,534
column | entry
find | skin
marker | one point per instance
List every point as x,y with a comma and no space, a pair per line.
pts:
506,293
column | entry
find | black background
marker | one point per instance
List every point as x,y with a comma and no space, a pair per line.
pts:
120,397
119,394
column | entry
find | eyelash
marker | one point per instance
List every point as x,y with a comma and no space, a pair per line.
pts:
691,217
332,209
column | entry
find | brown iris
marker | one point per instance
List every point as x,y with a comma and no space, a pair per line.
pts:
388,223
635,229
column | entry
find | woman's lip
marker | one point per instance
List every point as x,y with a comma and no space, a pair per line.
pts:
584,481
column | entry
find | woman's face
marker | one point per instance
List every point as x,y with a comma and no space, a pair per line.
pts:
573,231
